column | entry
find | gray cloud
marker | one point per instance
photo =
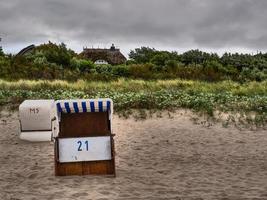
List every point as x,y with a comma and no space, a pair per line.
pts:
168,24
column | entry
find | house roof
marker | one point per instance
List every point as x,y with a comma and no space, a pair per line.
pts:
112,55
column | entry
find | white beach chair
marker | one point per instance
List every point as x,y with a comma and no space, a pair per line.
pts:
36,118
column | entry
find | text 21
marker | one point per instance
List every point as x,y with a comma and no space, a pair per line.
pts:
83,146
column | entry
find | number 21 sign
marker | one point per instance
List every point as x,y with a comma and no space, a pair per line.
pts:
84,149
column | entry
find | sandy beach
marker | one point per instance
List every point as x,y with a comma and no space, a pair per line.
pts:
157,158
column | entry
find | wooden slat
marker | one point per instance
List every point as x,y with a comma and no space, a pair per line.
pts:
84,124
85,168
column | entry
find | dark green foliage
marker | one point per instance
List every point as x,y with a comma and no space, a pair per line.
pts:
160,59
57,54
52,61
103,69
141,71
146,55
142,55
130,62
195,64
1,51
253,74
81,65
196,57
171,65
121,71
4,66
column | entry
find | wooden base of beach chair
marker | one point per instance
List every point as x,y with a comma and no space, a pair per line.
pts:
85,168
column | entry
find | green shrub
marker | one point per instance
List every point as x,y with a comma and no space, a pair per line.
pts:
226,96
254,74
4,67
81,65
142,55
130,62
121,70
160,59
52,61
171,65
57,54
141,70
1,52
104,69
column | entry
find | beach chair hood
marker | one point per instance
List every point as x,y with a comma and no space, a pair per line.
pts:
82,106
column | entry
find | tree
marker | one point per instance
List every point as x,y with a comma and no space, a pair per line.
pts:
197,57
160,58
142,55
57,54
81,64
1,51
171,65
239,61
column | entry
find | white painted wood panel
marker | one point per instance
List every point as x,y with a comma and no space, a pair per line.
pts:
84,149
36,136
36,115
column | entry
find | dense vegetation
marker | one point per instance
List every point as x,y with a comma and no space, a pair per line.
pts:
204,82
51,61
227,96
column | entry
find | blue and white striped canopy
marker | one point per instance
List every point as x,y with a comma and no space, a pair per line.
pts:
84,105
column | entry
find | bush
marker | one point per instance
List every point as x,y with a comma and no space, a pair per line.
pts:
104,69
141,71
213,70
52,61
171,65
142,55
160,59
130,62
121,70
4,67
127,94
81,65
40,59
1,52
54,53
254,74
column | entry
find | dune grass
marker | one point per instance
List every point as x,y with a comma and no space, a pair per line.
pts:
225,96
124,85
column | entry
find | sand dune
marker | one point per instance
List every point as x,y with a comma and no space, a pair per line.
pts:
157,158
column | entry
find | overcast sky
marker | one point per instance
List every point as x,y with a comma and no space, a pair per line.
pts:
211,25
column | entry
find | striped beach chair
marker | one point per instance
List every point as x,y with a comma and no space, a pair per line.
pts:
84,105
88,120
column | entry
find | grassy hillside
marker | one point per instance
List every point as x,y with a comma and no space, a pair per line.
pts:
226,96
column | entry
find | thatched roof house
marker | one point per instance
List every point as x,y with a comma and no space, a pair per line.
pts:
111,56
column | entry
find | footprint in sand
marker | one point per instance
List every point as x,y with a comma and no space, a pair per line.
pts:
80,194
33,176
105,192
